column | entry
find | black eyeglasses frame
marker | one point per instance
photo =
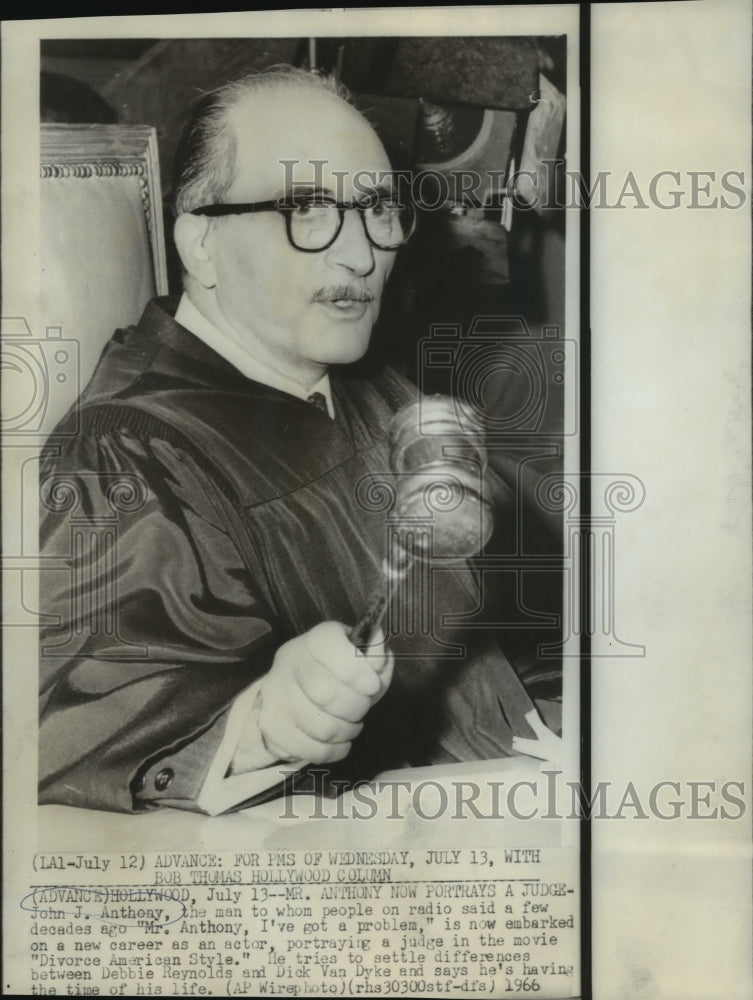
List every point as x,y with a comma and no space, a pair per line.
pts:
286,207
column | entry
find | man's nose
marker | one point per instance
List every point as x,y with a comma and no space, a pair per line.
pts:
352,249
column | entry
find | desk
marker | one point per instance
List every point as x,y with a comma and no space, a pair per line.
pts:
306,821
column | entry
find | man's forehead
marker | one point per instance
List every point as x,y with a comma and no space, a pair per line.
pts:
296,135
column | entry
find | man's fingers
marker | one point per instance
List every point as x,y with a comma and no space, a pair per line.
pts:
329,645
327,729
385,676
325,691
381,661
296,711
317,693
377,655
318,723
290,743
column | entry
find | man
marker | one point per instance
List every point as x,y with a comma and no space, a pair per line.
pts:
208,650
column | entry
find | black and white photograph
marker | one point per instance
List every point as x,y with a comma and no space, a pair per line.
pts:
304,509
353,511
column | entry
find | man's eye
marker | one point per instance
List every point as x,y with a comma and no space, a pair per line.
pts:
385,213
385,207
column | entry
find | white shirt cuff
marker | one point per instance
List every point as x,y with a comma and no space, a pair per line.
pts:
222,790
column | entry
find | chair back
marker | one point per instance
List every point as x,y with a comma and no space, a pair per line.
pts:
102,246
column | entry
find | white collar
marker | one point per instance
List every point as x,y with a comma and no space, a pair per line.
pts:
196,323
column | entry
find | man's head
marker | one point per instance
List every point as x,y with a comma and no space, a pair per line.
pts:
255,141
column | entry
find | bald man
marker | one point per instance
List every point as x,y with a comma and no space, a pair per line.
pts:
210,656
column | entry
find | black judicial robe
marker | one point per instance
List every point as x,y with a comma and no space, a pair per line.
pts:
192,521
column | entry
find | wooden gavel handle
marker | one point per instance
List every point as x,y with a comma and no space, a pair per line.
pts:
362,633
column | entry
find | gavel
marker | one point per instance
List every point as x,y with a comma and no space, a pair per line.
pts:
438,459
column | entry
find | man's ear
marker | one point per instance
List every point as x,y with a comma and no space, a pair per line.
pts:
193,238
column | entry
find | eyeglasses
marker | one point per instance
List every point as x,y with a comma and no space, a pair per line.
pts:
313,224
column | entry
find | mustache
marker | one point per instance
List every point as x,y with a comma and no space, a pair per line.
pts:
339,293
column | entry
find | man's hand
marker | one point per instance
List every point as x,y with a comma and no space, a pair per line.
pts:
311,703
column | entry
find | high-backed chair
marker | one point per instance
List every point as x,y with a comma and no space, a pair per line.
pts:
102,245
